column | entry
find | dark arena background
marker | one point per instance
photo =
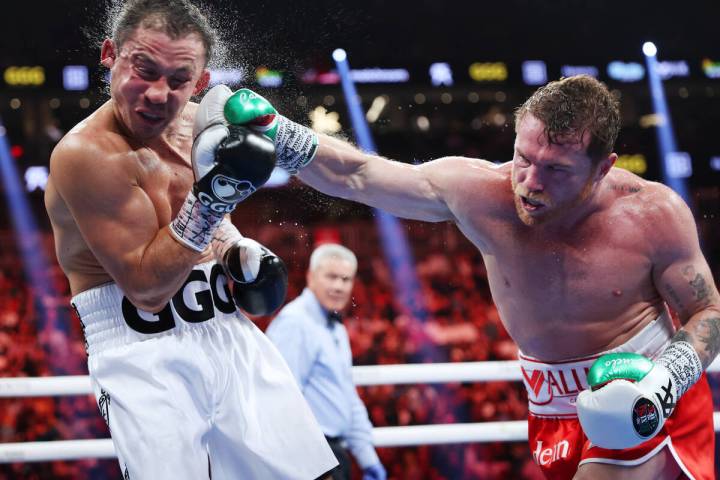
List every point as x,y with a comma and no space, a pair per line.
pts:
434,79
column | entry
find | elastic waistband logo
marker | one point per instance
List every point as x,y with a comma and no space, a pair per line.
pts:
544,385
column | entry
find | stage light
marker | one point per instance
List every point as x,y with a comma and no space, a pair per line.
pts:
649,49
339,55
626,71
396,249
676,165
376,108
227,76
715,163
268,78
17,151
441,74
36,177
572,70
534,72
75,77
423,123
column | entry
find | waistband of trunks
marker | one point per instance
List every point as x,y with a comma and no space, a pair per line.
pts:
109,319
553,386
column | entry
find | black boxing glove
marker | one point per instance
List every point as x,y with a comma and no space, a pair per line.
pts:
260,278
230,162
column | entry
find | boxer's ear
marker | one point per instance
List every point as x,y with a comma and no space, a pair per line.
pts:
605,165
108,53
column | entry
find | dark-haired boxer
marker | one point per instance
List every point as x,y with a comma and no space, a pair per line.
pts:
582,259
138,198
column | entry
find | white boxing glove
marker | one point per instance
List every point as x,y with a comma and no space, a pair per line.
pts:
631,397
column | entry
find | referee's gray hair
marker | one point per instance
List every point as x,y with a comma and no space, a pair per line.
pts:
332,250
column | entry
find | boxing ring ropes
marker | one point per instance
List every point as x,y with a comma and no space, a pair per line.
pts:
507,431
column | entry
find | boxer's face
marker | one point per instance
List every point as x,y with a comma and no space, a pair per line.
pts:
153,77
549,180
332,283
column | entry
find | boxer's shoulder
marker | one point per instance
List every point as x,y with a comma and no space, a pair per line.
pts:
464,176
476,186
650,211
92,159
643,201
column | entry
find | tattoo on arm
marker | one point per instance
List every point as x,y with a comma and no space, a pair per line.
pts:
705,337
682,335
711,339
700,287
675,298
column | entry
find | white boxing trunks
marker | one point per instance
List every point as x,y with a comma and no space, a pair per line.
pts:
197,382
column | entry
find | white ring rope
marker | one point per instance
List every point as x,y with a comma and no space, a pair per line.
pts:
513,431
362,375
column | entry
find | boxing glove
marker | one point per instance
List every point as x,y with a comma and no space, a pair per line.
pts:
631,397
259,277
229,163
295,144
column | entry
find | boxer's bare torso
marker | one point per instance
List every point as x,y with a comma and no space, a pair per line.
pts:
160,168
565,293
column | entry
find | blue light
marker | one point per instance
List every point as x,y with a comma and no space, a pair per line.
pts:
27,237
339,55
715,163
395,246
626,71
676,166
649,49
75,77
572,70
534,72
441,74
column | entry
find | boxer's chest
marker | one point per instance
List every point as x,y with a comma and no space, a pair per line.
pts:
595,276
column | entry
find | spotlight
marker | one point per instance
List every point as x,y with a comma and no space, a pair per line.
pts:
339,55
649,49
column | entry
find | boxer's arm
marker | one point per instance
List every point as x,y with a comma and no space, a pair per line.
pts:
683,277
422,192
118,221
429,192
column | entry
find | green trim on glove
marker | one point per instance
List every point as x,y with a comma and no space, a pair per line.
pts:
246,107
618,366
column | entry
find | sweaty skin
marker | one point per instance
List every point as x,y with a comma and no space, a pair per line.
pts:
120,176
579,275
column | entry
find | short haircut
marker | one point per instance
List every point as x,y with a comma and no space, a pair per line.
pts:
176,18
571,106
331,250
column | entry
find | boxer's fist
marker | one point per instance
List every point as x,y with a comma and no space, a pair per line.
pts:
629,401
230,162
242,163
260,277
246,107
295,144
